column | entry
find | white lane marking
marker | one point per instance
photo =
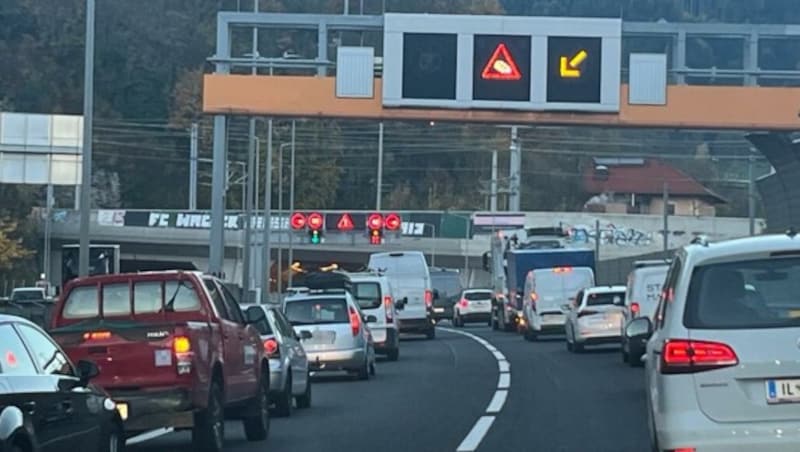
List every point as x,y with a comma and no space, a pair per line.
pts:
484,423
505,381
475,436
497,402
148,436
504,366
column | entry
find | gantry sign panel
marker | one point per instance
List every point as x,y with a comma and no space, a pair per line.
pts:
501,62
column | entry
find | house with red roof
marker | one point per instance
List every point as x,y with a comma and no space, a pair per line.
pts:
636,186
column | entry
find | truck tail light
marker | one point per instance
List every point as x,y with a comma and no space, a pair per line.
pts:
681,356
355,322
97,335
182,347
635,309
388,306
428,298
463,303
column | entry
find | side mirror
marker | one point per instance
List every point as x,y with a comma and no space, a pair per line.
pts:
639,329
305,335
371,319
87,370
566,307
255,315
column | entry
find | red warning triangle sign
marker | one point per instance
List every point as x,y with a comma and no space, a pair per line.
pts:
501,66
345,223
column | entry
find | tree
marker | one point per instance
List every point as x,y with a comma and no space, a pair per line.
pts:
11,248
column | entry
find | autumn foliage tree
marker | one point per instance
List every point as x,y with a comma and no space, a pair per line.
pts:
11,249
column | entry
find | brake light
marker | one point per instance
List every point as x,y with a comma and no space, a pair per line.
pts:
534,297
463,303
97,335
271,348
387,304
355,322
181,344
562,269
635,309
683,449
682,356
428,298
586,313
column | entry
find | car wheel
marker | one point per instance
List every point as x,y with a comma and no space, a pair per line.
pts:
431,334
570,346
256,427
578,347
114,441
529,335
393,354
304,401
626,357
494,323
283,403
208,433
363,373
651,430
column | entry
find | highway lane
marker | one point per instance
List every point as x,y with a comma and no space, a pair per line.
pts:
426,401
431,399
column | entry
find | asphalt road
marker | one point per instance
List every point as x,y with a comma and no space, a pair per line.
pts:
433,397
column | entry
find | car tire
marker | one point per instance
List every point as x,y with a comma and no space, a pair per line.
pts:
208,433
570,346
494,323
626,357
431,334
304,400
256,427
363,373
283,403
529,335
578,347
113,441
393,354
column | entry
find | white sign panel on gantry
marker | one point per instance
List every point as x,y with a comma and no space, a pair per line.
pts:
502,62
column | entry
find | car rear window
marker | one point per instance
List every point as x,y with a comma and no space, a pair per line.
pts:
368,294
603,299
26,295
486,295
745,295
177,296
317,311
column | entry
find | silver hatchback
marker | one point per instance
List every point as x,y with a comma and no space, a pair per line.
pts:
340,338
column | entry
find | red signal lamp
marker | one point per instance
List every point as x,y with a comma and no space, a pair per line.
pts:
375,221
315,221
375,237
298,221
392,222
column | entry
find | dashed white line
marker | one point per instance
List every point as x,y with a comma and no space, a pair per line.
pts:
497,402
475,436
505,381
484,423
148,436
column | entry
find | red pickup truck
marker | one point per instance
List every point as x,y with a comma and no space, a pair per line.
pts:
174,351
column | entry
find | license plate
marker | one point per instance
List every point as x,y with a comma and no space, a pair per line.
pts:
783,391
122,409
438,309
553,319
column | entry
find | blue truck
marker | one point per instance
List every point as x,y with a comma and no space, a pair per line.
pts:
521,261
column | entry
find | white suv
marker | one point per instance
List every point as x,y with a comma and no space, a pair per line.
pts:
374,296
723,356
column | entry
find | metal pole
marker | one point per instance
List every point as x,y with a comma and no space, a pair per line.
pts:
266,246
219,183
751,194
666,216
193,135
47,231
493,184
280,213
515,162
379,182
346,7
86,159
433,254
466,248
256,181
291,203
597,240
249,185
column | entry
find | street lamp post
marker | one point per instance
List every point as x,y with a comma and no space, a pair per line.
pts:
86,158
280,210
291,202
433,253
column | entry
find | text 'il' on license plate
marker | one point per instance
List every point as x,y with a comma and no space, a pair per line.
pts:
783,391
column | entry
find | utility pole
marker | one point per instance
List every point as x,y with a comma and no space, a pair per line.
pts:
379,189
250,175
280,213
751,193
193,136
86,157
493,184
515,162
291,204
47,231
665,200
266,248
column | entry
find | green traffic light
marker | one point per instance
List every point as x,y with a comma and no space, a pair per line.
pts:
316,239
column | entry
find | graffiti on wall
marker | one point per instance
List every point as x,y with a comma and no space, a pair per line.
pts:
608,234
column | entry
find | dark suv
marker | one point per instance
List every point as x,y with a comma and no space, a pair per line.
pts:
447,283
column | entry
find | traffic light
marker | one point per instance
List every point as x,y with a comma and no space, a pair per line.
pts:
375,225
315,223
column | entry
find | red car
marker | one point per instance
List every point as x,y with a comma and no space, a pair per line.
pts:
174,351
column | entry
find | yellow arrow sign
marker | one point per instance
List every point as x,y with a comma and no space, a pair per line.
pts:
570,66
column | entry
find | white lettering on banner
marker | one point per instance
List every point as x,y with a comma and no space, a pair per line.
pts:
414,229
206,222
158,219
183,220
196,221
232,222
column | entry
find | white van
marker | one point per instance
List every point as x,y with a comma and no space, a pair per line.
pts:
374,296
645,283
548,294
410,279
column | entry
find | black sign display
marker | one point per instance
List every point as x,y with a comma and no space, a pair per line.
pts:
429,65
573,69
502,65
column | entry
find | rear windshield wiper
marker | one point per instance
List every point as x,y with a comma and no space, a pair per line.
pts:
169,305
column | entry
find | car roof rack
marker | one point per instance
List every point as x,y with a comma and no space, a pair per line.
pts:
651,263
701,240
326,281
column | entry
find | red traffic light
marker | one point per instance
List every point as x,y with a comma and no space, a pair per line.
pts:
316,221
375,237
375,221
393,222
297,221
